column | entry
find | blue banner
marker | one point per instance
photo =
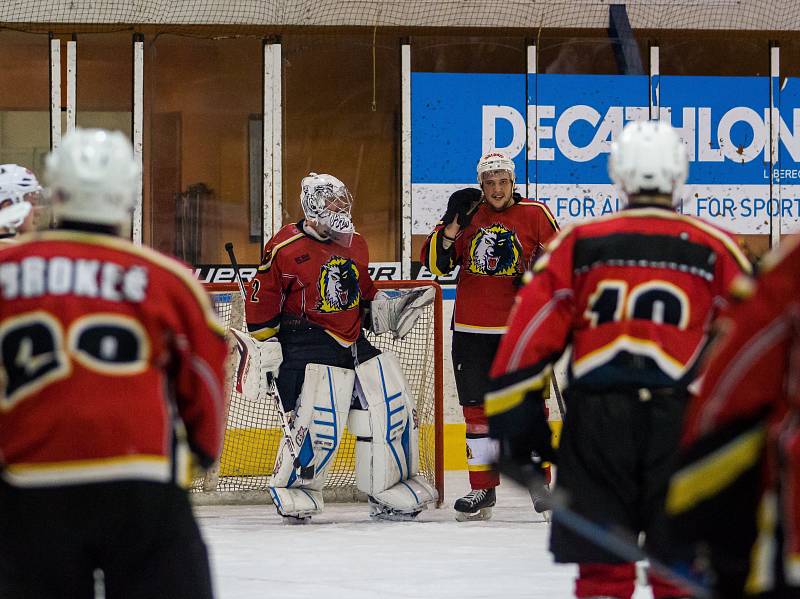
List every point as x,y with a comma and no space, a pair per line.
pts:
559,130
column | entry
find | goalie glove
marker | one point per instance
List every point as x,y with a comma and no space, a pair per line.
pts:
397,311
258,361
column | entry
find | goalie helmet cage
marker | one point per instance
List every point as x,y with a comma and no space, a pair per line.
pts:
253,430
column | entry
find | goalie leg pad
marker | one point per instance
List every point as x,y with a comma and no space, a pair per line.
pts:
319,419
387,438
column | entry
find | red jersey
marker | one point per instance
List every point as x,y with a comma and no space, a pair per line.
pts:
632,292
317,280
111,360
745,418
493,251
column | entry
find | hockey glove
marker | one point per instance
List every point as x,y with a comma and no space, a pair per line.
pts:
524,436
460,204
258,361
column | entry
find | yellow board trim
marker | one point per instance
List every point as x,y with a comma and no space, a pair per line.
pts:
254,449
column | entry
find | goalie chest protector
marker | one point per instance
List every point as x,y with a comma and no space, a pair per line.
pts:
320,281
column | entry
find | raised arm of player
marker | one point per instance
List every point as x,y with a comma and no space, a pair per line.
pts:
439,252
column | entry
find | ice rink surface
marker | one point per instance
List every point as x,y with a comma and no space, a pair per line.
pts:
344,554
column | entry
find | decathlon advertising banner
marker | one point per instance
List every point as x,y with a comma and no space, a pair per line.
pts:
559,129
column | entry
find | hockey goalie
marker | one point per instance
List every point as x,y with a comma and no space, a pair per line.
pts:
305,346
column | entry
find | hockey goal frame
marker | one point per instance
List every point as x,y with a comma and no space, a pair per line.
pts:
210,489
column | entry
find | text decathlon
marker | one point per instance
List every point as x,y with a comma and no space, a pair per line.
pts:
708,133
36,276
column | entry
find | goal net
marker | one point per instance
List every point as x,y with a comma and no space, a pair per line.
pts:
253,430
764,15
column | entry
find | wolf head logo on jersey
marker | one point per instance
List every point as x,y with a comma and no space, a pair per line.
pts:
338,285
495,251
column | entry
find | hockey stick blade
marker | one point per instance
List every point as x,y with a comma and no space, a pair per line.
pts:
621,545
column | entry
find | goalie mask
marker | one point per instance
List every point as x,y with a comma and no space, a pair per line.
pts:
20,192
648,158
94,177
327,203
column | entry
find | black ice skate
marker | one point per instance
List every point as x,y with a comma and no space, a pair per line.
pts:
475,505
542,503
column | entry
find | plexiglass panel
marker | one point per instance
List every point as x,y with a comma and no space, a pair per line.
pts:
24,99
342,117
201,96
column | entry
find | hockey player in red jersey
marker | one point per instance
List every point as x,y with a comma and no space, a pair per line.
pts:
305,311
492,235
21,200
111,365
735,493
633,294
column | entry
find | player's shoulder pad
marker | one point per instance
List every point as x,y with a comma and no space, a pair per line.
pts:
287,235
553,245
539,205
723,238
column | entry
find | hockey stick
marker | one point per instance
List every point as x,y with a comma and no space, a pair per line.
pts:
235,264
613,542
559,399
306,472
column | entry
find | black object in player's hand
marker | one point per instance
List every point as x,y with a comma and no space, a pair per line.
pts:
462,205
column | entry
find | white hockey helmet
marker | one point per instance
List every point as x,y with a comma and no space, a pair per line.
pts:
648,157
495,161
327,204
19,193
93,175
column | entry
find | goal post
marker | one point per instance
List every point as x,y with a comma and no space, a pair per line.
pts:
253,431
